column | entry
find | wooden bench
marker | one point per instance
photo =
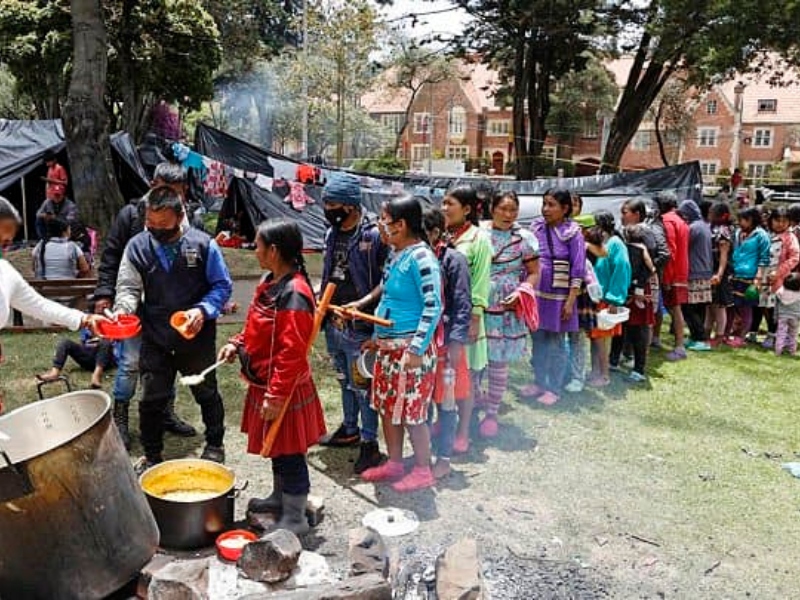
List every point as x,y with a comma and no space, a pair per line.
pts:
74,293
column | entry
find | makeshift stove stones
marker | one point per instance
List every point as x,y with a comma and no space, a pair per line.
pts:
276,567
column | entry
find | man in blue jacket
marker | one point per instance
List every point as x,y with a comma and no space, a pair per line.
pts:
164,269
354,259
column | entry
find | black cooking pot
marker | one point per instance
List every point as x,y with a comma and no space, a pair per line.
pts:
192,500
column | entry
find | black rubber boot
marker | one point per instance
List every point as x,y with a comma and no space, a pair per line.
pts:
271,504
369,456
294,517
174,424
121,421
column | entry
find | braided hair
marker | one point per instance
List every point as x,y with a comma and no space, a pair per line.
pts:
286,236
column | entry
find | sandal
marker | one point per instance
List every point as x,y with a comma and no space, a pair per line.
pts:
42,378
461,445
419,478
388,471
488,427
548,398
598,382
531,391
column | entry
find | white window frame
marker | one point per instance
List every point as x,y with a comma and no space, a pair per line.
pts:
642,140
422,122
711,107
707,137
498,127
767,105
709,169
549,153
457,152
591,130
392,121
762,137
420,152
757,171
458,121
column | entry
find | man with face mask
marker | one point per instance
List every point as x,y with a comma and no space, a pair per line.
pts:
353,260
130,221
164,269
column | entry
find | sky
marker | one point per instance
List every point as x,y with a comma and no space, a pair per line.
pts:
448,22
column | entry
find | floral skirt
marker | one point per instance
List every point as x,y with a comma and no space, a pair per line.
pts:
398,392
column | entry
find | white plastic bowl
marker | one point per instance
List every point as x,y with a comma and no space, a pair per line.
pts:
366,364
607,320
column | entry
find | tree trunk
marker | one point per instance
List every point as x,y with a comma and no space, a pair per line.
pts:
659,138
520,91
86,121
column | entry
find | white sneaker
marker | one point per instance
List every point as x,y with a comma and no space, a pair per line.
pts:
627,362
574,386
636,377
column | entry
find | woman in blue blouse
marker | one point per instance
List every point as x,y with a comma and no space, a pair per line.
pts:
404,375
751,245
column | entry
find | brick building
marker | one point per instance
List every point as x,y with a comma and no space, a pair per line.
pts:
745,122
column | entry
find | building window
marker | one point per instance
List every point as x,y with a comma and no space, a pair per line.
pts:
458,152
549,153
641,141
709,169
707,137
762,138
420,152
458,121
767,106
711,107
392,121
757,171
498,127
591,130
422,122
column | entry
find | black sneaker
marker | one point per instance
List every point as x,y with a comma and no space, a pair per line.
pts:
341,438
174,425
369,456
215,453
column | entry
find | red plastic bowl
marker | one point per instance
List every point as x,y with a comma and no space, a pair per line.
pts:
231,543
125,326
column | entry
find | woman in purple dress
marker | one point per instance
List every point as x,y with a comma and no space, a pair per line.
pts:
562,263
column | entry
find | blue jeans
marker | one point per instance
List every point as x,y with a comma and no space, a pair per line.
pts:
344,347
442,443
127,370
549,360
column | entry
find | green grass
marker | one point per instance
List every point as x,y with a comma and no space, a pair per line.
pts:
690,460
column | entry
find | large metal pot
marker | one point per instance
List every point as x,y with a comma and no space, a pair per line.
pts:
73,521
192,500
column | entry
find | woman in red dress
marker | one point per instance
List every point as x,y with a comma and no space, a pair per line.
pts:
273,350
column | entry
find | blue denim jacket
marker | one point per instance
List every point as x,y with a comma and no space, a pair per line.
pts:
366,255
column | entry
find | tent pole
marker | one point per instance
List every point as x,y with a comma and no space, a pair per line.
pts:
24,209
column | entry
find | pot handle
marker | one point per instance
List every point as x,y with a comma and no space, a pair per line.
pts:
14,480
237,489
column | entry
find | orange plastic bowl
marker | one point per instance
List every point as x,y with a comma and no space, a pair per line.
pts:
125,326
178,322
231,543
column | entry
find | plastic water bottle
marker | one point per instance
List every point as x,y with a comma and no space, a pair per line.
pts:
449,397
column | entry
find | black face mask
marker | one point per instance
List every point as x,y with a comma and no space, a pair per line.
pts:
335,216
162,236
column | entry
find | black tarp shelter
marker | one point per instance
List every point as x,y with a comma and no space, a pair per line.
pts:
22,169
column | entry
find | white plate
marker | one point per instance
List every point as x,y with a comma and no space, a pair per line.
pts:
390,521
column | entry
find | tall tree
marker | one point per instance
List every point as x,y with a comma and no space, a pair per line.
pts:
157,50
703,40
533,43
409,67
673,119
86,120
578,100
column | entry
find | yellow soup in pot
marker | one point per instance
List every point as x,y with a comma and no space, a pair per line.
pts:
187,482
